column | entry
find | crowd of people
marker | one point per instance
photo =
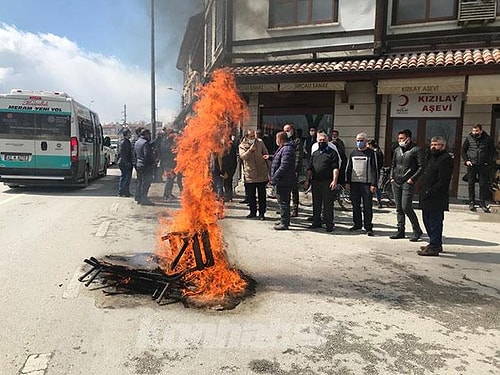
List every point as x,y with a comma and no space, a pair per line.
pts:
281,162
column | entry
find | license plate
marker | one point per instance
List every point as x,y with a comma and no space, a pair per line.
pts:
16,157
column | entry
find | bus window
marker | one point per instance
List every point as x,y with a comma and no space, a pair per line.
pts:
55,127
17,124
86,131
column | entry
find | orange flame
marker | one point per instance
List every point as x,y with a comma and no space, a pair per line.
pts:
218,110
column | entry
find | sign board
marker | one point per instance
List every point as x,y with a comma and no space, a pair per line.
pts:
426,105
313,86
432,85
259,87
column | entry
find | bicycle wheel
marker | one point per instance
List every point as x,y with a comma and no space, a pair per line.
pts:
388,193
344,198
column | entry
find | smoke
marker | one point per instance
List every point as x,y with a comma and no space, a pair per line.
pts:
171,19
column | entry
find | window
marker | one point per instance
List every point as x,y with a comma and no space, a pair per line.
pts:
411,11
17,125
53,127
302,12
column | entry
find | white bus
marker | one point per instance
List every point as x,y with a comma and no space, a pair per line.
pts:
49,139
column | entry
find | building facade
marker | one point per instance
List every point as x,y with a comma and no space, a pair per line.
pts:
374,66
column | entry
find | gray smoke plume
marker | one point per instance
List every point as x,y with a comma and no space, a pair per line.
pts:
171,19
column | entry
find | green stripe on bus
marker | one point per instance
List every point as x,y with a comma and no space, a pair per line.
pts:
41,161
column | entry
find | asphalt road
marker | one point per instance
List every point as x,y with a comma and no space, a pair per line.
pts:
338,303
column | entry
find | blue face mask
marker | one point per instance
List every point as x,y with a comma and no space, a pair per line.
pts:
360,144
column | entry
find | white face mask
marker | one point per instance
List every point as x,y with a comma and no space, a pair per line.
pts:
251,141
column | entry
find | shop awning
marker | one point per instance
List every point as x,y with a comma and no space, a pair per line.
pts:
484,89
427,85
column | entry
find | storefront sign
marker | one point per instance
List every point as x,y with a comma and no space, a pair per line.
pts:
426,105
484,89
313,86
259,87
431,85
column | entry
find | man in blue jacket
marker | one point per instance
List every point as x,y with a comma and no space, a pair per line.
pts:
283,177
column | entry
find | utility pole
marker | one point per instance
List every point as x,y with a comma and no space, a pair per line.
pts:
124,115
153,84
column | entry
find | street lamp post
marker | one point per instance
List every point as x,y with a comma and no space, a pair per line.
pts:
153,84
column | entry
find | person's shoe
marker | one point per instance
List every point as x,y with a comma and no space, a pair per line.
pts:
399,234
146,203
424,247
294,213
416,236
280,227
329,228
262,217
369,233
251,216
354,228
429,251
485,208
472,207
315,225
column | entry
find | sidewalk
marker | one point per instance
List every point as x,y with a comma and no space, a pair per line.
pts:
344,302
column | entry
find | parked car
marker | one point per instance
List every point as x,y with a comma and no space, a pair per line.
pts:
111,150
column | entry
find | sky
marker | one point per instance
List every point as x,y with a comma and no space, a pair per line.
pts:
97,51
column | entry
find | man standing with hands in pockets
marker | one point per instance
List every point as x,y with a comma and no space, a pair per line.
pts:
407,166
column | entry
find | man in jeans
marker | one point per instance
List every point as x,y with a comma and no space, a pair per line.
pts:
407,166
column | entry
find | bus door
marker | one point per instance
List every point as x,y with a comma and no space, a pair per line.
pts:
17,142
98,145
53,143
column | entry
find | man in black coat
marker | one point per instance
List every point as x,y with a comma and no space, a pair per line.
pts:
323,174
125,164
478,154
434,196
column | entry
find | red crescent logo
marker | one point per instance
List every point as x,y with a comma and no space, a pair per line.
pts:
405,100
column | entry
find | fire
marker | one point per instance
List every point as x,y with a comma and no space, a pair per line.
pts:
218,110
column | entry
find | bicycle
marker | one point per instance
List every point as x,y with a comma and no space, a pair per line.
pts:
341,196
386,185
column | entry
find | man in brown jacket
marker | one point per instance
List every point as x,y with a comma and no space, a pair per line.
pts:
255,171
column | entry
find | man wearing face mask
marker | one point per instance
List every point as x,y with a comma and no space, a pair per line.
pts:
310,140
299,154
256,172
478,153
407,166
323,174
434,196
361,182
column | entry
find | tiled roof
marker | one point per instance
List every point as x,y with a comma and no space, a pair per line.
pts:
390,62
